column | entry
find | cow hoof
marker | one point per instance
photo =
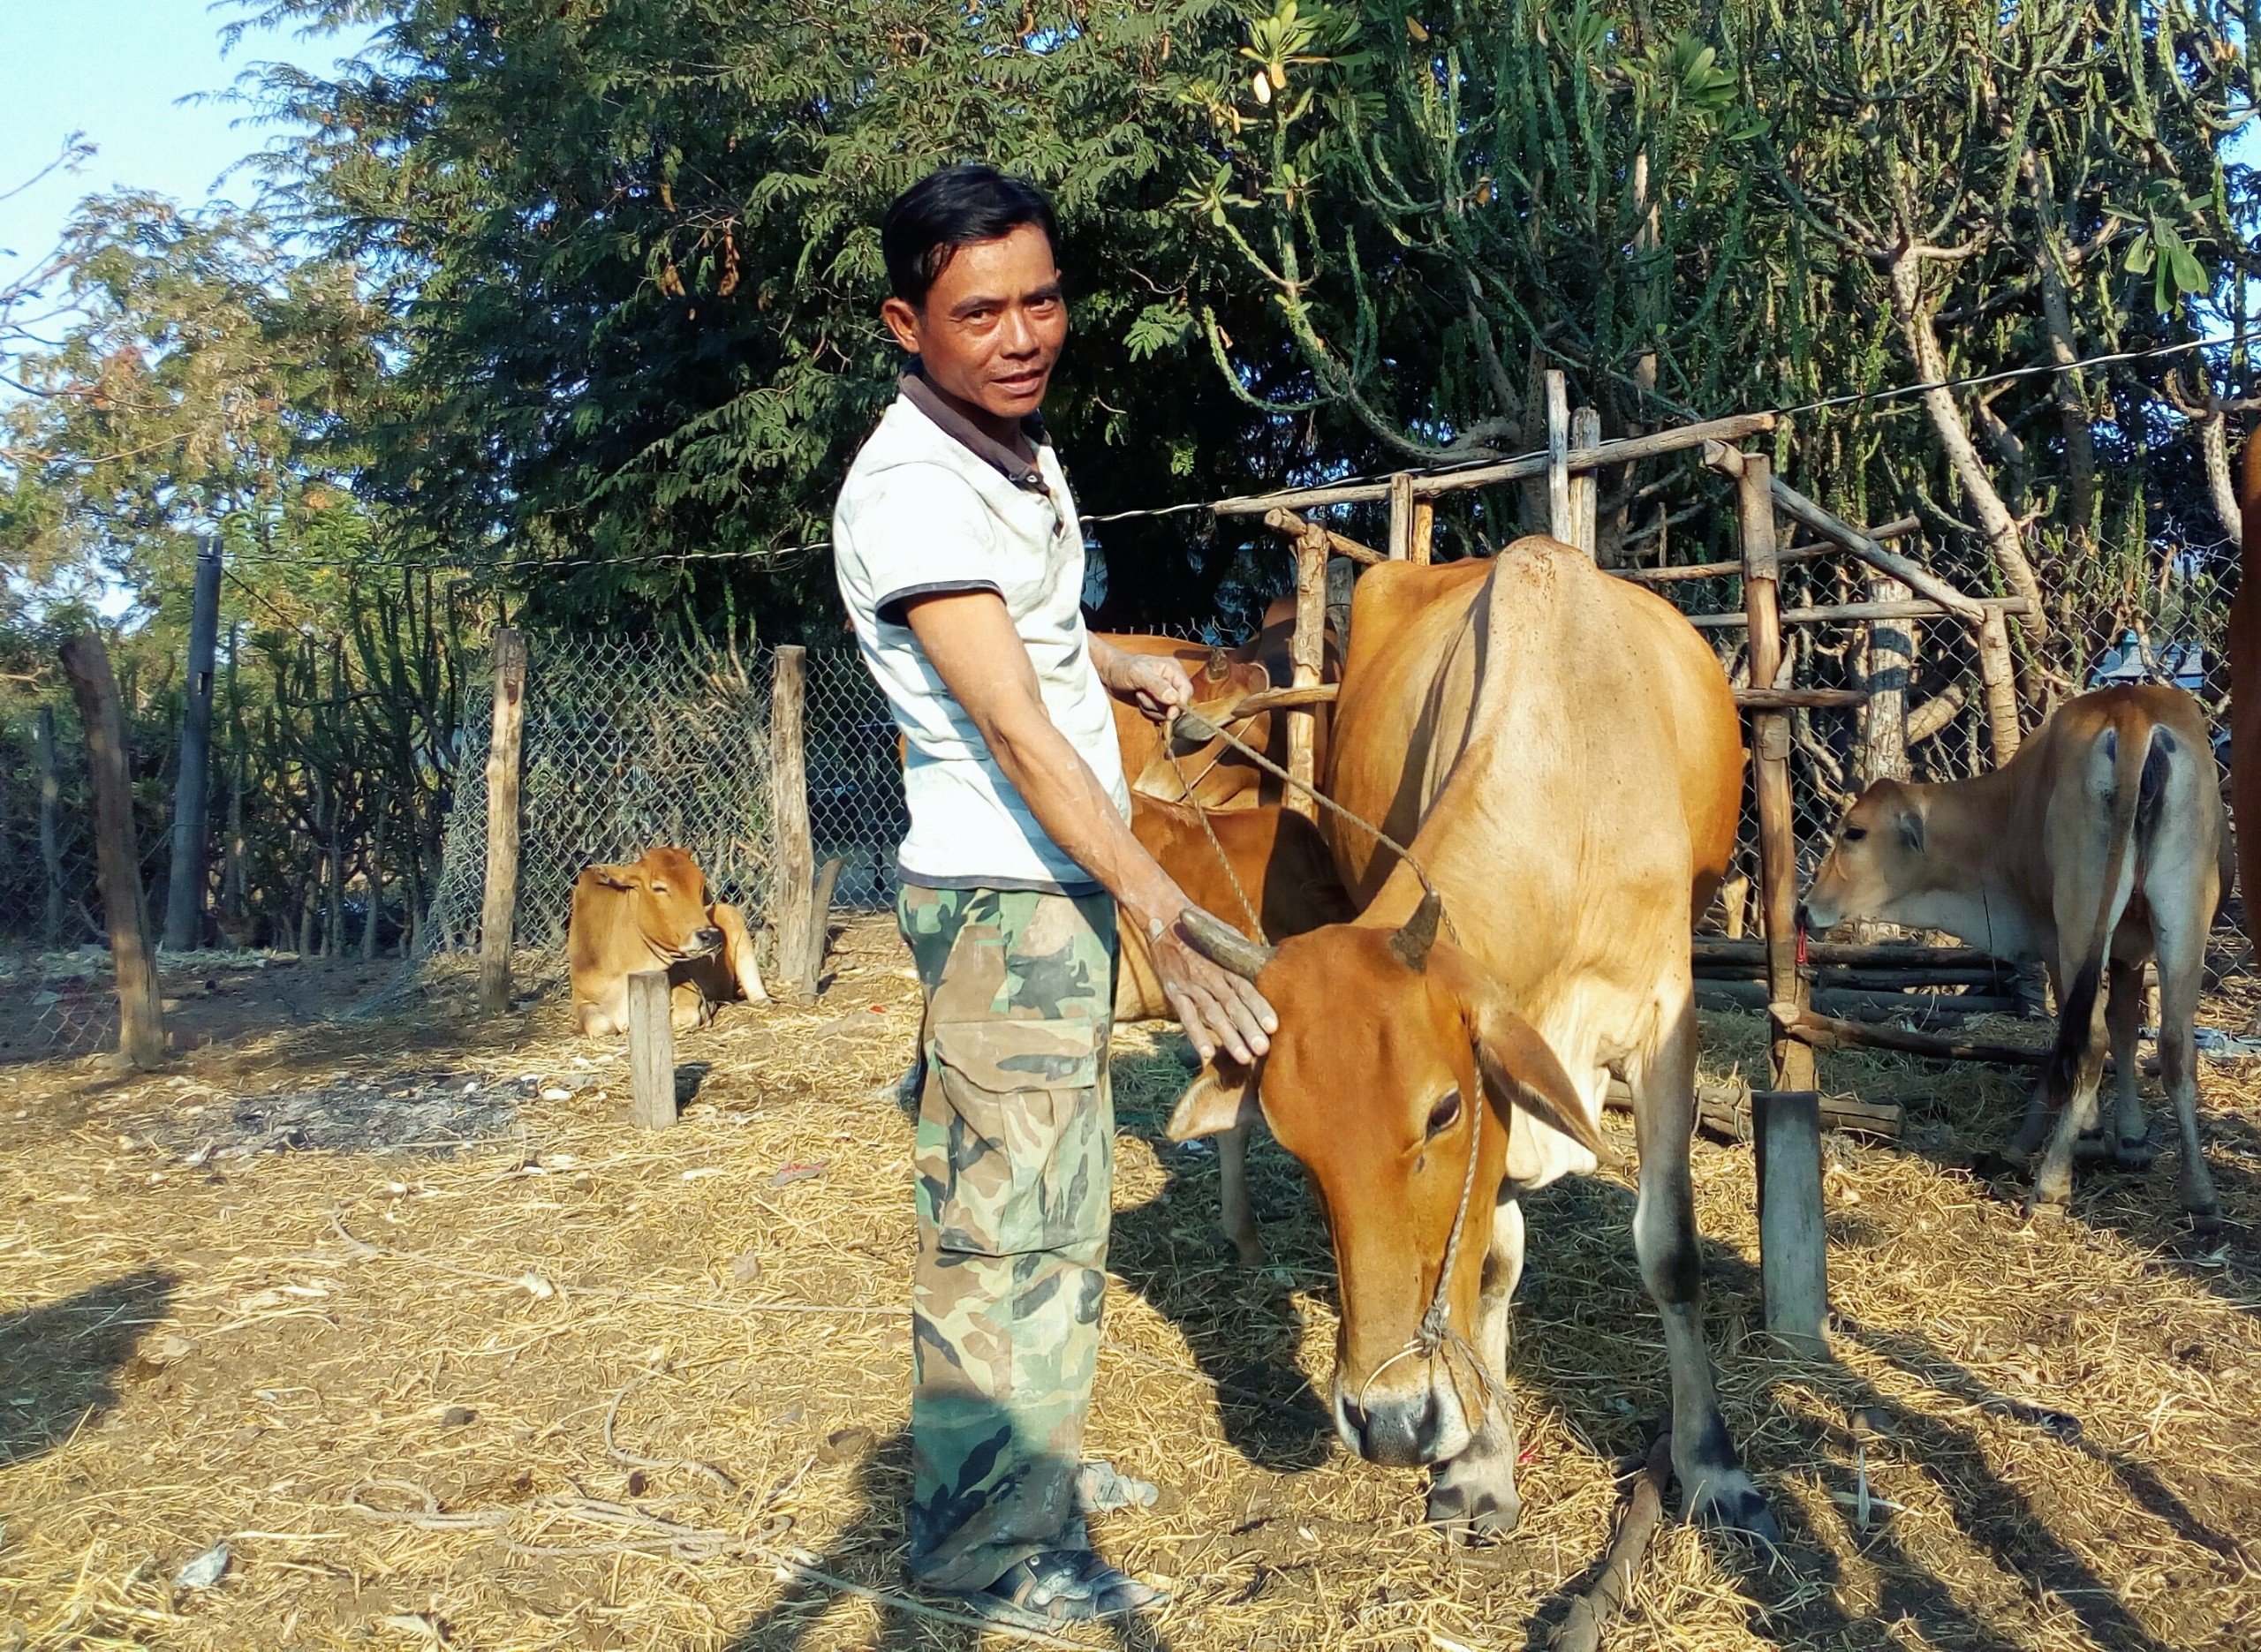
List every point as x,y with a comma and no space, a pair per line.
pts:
1251,1254
2134,1152
1732,1503
2089,1146
1466,1517
2206,1219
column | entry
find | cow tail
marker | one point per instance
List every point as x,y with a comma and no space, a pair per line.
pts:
2138,780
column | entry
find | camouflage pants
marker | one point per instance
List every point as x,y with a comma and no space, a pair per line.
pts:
1015,1170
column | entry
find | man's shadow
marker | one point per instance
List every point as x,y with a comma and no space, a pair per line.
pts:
869,1552
64,1359
1808,1412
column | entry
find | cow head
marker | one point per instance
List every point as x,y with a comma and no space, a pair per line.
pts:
1390,1045
1879,858
668,894
1214,774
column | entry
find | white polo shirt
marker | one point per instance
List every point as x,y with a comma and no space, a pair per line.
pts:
933,506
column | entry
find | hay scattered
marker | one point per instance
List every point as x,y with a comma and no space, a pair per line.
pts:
514,1373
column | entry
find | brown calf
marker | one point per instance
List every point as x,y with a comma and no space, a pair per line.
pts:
653,914
2098,847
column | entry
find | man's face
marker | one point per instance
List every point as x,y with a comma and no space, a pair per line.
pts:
992,324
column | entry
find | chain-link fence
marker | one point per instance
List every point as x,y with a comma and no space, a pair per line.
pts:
627,744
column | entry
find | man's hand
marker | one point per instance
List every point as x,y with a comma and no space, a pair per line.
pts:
1155,683
1215,1006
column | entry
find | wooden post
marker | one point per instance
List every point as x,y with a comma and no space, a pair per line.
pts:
788,810
499,910
1402,509
1306,652
1999,674
1425,533
184,893
1585,487
1778,857
50,841
1793,1244
651,1051
140,1015
1558,449
1890,674
827,879
234,928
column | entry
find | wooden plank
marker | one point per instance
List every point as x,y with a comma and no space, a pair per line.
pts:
192,786
1288,522
1872,954
498,911
1793,1244
1725,1110
1276,699
1306,653
651,1051
1794,554
1918,578
1828,1033
1400,517
1558,458
1847,612
1585,487
1786,699
1791,1063
1428,484
794,869
140,1014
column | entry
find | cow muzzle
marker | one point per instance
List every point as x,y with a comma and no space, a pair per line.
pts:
705,943
1406,1427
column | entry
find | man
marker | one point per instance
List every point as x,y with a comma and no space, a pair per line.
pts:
961,562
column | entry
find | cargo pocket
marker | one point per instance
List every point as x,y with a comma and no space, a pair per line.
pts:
1013,1148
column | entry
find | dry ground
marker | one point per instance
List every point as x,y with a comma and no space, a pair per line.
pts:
405,1312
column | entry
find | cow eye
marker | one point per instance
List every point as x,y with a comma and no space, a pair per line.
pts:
659,888
1446,1110
1854,834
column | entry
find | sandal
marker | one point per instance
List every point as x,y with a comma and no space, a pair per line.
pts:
1063,1586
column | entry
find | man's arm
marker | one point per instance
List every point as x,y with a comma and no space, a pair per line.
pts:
971,642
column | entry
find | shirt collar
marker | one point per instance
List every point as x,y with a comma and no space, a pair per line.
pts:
923,395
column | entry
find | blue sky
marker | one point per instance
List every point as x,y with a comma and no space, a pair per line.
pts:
117,70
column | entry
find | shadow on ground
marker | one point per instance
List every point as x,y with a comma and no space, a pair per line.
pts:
64,1360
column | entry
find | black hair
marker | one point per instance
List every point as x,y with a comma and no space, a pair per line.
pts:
960,204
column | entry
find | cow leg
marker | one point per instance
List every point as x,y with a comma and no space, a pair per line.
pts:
688,1006
605,1017
1233,1213
2053,1177
1474,1494
1713,1479
2181,972
2124,1020
2035,1126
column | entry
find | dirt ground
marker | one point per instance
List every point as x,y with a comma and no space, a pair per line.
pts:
402,1311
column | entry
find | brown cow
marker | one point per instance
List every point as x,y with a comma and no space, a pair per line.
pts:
2245,694
1282,866
1562,752
2097,848
653,914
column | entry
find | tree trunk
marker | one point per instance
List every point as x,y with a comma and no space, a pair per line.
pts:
2066,388
1994,519
2213,446
1891,669
373,875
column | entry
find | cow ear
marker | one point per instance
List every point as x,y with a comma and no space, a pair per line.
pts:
1221,1097
1520,1069
1909,825
611,877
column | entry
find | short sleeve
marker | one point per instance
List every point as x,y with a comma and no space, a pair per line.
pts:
922,530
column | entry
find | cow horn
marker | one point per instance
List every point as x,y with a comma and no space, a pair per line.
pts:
1224,946
1411,942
